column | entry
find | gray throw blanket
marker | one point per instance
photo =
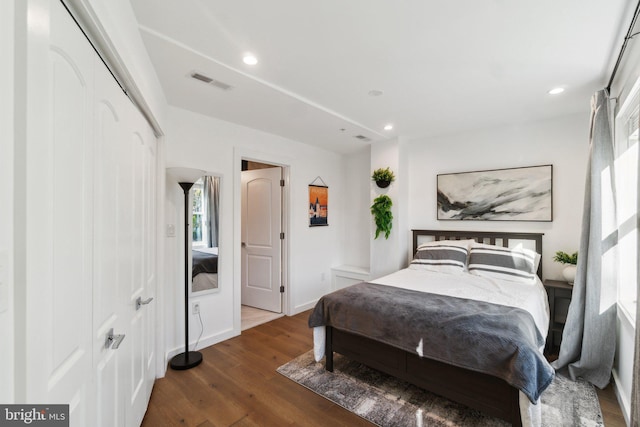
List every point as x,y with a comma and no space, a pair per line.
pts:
494,339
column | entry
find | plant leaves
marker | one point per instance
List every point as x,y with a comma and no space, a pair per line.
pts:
381,211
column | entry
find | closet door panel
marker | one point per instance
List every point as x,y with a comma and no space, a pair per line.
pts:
137,288
91,233
142,326
59,219
108,301
150,259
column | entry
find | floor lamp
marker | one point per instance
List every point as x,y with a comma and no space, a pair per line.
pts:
188,359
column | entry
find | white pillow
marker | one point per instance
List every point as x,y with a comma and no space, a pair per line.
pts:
514,264
445,256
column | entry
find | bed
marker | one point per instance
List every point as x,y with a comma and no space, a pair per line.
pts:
437,363
204,270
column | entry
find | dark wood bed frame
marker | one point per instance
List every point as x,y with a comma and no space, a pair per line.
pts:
483,392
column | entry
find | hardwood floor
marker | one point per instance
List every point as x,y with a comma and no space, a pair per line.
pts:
252,317
237,385
611,411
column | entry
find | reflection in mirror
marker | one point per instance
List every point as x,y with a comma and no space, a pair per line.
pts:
205,214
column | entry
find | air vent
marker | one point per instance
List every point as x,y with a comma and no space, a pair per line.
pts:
362,138
212,82
202,78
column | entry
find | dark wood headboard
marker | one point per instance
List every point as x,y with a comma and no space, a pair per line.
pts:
490,237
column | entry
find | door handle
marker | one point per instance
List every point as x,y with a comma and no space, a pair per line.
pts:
140,303
113,341
243,244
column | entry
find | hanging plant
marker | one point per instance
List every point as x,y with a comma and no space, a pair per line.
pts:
381,211
383,177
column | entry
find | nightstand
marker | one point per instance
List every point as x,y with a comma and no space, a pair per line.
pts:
559,294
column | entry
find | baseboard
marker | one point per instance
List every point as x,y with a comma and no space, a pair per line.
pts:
623,400
304,307
203,343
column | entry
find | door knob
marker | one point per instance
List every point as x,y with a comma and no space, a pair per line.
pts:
140,303
113,341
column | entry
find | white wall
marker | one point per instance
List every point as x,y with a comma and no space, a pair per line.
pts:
389,255
356,236
212,145
623,363
562,142
6,201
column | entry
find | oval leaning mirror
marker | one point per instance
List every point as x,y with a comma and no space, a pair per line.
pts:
205,215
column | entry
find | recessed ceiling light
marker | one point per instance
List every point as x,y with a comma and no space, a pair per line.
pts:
249,59
388,127
375,92
556,91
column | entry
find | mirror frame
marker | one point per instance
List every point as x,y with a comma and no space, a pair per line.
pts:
216,289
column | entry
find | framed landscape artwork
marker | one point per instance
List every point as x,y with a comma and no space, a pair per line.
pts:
517,194
318,205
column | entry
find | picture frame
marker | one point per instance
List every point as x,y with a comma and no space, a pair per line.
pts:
513,194
318,205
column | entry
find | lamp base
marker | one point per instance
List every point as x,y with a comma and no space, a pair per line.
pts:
187,360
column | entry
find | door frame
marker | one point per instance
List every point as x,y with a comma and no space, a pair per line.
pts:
277,160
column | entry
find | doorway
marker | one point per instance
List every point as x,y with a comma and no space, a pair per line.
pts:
262,243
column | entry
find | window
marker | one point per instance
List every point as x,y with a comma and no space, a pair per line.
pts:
198,216
627,129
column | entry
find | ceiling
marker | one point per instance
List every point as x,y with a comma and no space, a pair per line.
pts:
442,66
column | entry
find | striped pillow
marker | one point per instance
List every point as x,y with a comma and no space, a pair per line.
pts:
516,264
444,256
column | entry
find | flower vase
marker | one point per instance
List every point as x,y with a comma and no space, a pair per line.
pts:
569,273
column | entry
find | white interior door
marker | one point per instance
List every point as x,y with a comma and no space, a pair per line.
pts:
91,200
59,200
110,272
124,279
261,243
139,196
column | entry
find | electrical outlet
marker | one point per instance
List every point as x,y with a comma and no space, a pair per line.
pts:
195,308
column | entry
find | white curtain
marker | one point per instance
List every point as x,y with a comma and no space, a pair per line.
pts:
589,338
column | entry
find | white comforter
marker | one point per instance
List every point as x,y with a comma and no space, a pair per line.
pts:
529,297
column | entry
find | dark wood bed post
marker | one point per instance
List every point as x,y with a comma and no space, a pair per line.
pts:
328,349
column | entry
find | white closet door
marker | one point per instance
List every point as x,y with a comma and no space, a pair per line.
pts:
124,242
137,178
112,231
150,191
59,232
91,198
